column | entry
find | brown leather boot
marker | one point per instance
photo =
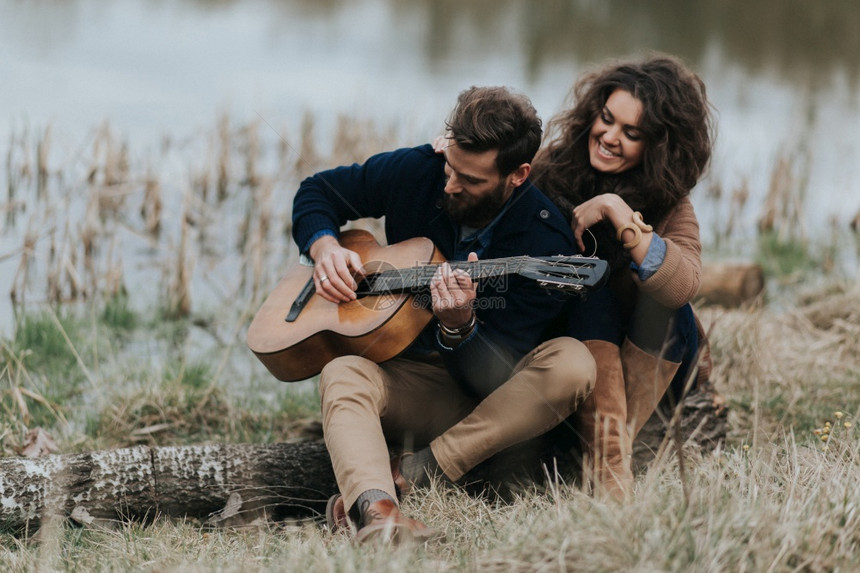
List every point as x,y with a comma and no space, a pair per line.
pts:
602,424
383,523
647,377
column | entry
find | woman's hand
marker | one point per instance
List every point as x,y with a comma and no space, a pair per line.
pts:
607,206
613,208
334,269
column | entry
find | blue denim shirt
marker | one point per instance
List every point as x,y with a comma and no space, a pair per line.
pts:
653,258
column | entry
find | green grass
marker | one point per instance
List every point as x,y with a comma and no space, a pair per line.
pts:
42,341
790,259
118,315
84,377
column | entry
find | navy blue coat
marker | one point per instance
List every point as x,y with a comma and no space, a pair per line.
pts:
406,187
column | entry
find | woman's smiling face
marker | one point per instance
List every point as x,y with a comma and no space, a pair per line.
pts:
615,141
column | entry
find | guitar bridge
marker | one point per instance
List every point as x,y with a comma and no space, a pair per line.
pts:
301,300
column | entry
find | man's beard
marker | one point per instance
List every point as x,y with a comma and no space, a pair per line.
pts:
475,213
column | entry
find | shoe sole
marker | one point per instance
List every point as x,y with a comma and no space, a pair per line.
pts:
397,534
386,533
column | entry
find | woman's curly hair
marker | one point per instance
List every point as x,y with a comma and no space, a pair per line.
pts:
676,125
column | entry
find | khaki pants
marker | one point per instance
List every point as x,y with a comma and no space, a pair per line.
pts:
366,406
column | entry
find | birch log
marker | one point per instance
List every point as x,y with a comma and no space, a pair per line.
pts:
240,484
139,483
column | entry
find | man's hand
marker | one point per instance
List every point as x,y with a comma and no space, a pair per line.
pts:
334,267
453,294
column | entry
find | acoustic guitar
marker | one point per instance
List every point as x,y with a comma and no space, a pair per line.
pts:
296,332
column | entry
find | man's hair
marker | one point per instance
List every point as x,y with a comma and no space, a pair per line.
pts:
487,118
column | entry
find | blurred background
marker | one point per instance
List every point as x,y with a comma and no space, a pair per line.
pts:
155,102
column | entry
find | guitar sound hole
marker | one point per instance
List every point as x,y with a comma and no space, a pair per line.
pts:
381,288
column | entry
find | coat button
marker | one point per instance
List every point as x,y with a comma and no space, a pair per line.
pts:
544,214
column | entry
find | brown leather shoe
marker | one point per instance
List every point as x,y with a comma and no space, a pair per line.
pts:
336,518
385,524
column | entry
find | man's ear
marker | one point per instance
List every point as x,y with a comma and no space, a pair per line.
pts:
518,176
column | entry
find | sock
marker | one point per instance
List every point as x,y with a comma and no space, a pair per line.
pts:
365,499
420,468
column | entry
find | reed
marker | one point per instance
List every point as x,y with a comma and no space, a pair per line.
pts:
178,296
152,206
54,272
308,159
43,147
783,204
87,243
356,140
251,145
223,165
20,281
256,249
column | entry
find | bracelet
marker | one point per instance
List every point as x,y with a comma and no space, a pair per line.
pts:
637,220
459,332
637,226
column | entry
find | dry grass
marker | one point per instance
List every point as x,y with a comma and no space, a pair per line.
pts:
791,367
785,506
113,371
778,498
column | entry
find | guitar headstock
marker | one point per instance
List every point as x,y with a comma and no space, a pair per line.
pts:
568,273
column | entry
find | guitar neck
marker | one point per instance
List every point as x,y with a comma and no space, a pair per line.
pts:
418,278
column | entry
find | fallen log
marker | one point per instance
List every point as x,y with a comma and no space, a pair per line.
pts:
730,284
139,483
240,484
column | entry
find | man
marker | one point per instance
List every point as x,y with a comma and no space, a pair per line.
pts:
476,380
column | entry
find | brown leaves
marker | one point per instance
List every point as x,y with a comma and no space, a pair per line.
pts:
38,443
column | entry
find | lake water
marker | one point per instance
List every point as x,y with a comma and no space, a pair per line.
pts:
783,75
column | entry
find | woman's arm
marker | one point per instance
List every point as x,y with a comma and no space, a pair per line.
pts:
677,279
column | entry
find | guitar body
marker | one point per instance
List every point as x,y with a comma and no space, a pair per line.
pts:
376,327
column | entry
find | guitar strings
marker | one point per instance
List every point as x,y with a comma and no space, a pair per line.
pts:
414,277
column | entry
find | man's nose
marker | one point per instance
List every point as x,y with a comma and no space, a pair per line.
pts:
452,187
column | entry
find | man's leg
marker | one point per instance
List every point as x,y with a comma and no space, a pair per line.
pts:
353,397
546,387
365,406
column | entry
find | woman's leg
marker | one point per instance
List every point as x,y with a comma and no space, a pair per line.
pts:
659,352
601,421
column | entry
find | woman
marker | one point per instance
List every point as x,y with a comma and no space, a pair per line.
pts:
622,161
